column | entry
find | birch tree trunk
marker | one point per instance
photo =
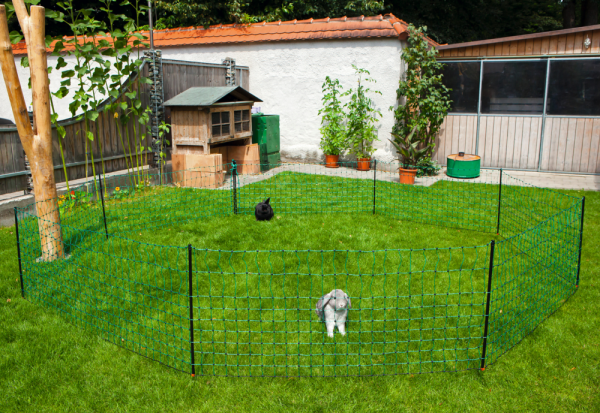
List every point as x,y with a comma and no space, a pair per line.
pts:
38,146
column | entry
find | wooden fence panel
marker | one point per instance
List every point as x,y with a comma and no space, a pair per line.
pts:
111,140
457,134
571,145
504,141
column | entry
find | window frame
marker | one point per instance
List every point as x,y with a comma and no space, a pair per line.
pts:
220,124
480,62
548,61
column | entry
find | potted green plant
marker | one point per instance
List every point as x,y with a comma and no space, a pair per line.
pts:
424,106
410,155
333,130
362,116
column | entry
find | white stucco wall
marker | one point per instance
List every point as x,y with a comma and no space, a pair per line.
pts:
288,76
61,105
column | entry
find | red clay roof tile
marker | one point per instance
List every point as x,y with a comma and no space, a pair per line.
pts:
294,30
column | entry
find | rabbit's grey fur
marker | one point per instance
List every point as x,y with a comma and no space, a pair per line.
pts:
333,309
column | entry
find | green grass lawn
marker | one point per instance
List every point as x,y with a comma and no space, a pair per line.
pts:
50,363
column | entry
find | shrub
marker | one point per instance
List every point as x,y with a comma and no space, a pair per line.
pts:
426,101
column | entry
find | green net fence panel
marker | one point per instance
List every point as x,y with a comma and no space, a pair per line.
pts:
252,312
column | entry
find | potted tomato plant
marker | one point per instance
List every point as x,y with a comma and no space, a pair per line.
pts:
333,129
362,115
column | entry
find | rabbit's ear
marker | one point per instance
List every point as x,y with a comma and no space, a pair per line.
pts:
267,200
349,302
323,301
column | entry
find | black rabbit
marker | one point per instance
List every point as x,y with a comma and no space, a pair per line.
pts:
263,211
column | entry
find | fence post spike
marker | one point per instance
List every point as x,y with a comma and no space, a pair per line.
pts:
487,306
374,183
499,203
191,301
580,241
19,253
102,198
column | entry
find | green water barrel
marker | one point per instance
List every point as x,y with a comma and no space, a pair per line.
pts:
265,132
465,166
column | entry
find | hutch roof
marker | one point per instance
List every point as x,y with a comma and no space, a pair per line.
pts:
208,96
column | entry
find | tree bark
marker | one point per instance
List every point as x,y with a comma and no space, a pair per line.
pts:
38,147
568,14
589,12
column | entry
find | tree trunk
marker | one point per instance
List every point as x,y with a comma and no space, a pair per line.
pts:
569,14
589,12
37,147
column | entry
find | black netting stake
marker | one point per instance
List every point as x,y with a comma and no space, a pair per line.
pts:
580,240
190,290
499,203
19,254
102,198
234,176
374,182
487,305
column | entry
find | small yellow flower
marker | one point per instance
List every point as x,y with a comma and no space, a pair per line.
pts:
117,189
116,115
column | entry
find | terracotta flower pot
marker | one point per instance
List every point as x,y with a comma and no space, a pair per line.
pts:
331,161
407,176
364,164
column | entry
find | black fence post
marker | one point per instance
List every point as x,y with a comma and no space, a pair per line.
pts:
190,290
499,203
19,253
234,176
487,305
102,198
374,182
580,241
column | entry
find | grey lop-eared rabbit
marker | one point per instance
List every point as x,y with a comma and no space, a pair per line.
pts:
263,211
333,309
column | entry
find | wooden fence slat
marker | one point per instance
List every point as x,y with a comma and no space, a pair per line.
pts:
518,151
556,149
526,136
594,165
578,145
562,144
482,141
456,133
586,145
471,134
534,143
570,144
547,141
510,143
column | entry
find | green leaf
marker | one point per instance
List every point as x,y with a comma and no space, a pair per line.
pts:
60,63
61,131
90,135
25,61
15,37
92,115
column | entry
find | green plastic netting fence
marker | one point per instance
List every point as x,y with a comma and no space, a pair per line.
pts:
252,313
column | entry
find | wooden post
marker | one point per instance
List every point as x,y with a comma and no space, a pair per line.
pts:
38,147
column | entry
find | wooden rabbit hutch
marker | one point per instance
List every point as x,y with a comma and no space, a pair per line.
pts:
211,126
